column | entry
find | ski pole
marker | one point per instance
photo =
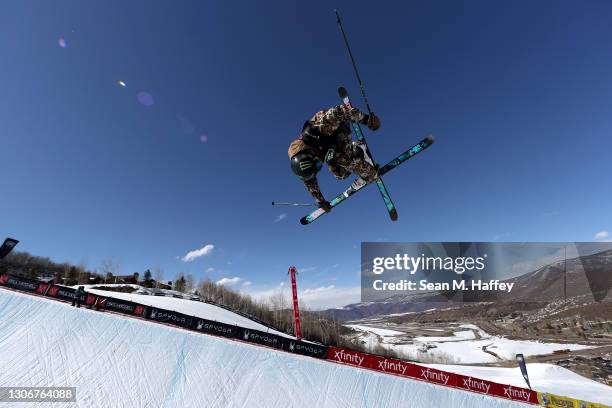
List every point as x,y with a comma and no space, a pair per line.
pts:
348,47
294,204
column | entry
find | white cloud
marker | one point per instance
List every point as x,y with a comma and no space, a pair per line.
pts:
211,269
321,298
308,269
247,283
280,217
327,297
196,253
318,290
229,281
499,237
601,235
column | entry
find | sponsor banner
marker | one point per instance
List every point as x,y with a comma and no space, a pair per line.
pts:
354,358
90,299
432,375
392,366
42,288
519,394
170,317
556,401
216,328
3,279
479,385
303,348
118,305
259,337
62,292
17,282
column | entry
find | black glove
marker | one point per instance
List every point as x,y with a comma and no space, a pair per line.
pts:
373,121
325,205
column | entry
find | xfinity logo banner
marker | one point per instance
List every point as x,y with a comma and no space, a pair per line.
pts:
439,272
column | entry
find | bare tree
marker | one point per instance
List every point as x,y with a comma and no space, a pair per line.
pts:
158,274
109,268
278,304
189,283
82,271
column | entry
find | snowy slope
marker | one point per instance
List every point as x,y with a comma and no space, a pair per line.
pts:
116,361
463,346
375,330
191,308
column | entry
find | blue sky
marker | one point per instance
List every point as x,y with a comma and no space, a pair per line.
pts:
517,94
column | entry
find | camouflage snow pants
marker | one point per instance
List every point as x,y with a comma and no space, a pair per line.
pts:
351,158
348,158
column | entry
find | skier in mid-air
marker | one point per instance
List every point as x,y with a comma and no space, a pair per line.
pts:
326,137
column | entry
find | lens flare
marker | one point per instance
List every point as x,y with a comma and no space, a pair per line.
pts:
186,125
62,42
145,98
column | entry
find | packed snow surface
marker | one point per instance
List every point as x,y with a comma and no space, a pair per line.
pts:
190,308
117,361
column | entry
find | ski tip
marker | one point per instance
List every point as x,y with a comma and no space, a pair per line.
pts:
431,139
303,221
393,215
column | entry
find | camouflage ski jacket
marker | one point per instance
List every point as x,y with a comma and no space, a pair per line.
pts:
327,129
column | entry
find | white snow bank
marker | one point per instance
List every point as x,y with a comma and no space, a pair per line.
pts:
116,361
457,336
191,308
380,332
463,347
471,351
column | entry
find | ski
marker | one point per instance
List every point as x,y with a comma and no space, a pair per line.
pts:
359,183
360,138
